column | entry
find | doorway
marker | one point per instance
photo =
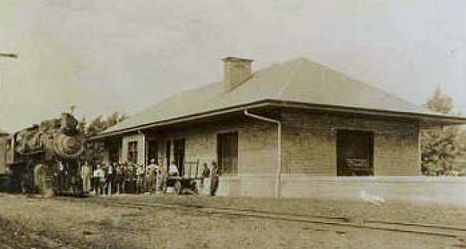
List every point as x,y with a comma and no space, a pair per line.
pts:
153,150
114,152
227,153
178,154
355,153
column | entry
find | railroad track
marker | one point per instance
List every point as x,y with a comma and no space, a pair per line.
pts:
370,224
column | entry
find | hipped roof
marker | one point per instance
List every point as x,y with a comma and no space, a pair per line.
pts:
295,81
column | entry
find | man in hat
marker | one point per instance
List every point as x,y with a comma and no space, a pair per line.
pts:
110,178
129,177
86,173
162,175
140,172
173,169
120,178
99,182
62,176
151,174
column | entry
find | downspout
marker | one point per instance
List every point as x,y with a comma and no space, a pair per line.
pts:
279,148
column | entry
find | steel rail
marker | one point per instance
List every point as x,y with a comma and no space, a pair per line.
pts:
400,227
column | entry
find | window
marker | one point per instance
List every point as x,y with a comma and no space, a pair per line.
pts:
133,152
355,150
227,153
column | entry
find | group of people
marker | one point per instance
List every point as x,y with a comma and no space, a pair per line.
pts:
119,178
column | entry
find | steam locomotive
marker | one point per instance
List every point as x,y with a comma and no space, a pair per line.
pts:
43,158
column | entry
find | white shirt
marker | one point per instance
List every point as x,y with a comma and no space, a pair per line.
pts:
110,170
173,170
85,170
140,171
99,173
151,168
61,166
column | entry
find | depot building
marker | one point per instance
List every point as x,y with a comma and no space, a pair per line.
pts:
294,129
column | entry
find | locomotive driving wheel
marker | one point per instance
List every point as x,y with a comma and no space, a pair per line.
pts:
42,180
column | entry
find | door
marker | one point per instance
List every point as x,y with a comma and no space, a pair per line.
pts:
227,153
178,154
114,152
355,150
153,150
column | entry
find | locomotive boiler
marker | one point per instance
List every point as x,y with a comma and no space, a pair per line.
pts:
45,157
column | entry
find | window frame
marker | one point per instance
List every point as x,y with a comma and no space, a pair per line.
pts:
342,169
132,156
223,141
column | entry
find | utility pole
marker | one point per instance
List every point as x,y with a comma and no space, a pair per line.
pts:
10,56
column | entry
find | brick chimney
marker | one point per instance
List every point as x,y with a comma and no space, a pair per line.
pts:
236,71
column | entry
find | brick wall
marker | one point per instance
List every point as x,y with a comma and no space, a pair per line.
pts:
309,144
308,148
256,144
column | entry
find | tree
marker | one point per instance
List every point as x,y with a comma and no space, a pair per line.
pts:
440,103
93,151
441,146
114,119
100,124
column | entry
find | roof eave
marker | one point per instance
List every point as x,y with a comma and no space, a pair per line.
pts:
427,117
423,117
180,119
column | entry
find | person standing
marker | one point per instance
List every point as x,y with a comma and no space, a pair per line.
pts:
99,176
161,178
102,179
62,174
173,169
204,174
86,173
119,178
140,172
126,180
94,179
151,174
158,178
131,177
214,177
110,177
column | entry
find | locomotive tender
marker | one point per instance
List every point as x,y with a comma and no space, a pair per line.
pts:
43,158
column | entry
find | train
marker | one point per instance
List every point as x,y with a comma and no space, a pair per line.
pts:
43,158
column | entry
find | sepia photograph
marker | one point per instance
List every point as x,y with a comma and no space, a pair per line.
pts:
231,124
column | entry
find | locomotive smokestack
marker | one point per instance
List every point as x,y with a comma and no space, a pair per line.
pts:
68,122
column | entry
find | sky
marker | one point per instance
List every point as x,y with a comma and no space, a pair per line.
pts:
118,55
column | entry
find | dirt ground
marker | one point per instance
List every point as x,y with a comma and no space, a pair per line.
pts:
34,222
